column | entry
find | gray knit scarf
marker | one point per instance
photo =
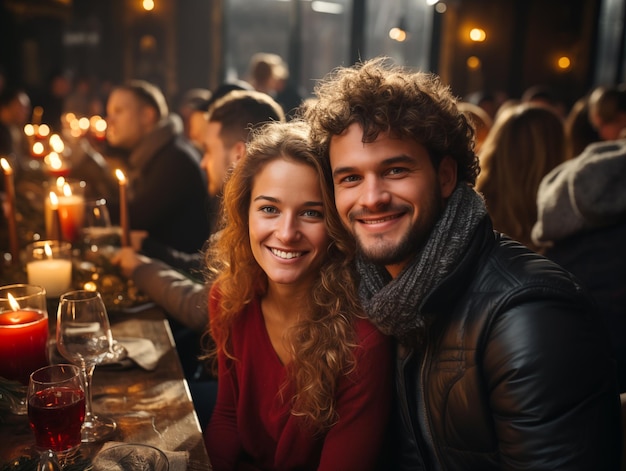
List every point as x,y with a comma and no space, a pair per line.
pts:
394,305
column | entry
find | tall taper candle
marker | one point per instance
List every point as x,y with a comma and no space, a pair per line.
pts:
123,208
9,188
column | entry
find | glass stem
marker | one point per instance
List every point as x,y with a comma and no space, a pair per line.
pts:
87,375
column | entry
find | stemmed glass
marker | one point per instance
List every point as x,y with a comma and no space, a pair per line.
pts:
84,338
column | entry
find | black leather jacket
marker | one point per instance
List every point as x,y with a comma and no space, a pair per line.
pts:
516,374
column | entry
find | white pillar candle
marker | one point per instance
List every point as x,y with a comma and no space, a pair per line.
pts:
55,275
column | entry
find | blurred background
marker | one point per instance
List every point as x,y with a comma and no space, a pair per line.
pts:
499,46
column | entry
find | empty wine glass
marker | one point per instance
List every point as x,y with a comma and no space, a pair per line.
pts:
84,338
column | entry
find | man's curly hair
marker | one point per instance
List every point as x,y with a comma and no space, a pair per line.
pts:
382,97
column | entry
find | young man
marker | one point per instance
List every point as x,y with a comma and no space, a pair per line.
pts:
167,196
502,362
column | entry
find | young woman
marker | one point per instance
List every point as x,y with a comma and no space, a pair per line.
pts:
304,381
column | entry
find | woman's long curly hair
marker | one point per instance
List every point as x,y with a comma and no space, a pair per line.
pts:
323,341
381,97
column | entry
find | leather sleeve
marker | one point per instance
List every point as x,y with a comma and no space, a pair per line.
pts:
552,389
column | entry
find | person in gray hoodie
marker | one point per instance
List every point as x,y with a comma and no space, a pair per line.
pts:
581,210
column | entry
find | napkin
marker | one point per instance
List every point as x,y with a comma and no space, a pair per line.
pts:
141,352
119,460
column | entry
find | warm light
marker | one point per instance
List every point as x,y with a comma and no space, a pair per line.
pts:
148,5
29,130
47,250
54,161
473,62
90,286
120,175
83,124
6,166
13,302
67,189
477,35
54,200
43,130
57,143
397,34
441,7
38,148
60,182
100,125
564,62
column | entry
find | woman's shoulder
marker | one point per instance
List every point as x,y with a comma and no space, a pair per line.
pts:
368,334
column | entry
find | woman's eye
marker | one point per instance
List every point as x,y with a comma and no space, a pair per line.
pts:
312,213
268,209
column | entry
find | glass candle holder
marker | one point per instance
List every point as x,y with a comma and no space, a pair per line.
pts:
49,264
23,331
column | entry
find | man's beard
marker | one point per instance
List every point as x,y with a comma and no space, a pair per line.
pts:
395,252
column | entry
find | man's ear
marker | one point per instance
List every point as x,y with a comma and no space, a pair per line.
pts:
237,152
447,176
148,116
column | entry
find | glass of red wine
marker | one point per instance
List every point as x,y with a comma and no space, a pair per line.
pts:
84,338
56,407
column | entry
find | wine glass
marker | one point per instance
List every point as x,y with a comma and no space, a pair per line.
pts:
84,338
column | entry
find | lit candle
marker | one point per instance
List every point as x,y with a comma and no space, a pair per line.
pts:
71,213
9,188
23,338
54,225
53,273
123,208
56,166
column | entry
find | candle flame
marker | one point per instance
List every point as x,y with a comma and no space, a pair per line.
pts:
54,161
67,189
13,302
54,200
29,130
43,130
6,166
120,176
60,182
57,143
38,148
47,250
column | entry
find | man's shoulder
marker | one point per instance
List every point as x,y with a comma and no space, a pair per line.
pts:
518,267
514,271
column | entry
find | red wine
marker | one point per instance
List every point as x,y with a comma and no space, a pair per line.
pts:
56,416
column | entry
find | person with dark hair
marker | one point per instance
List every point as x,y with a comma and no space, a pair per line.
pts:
607,111
502,361
578,127
304,381
167,195
230,120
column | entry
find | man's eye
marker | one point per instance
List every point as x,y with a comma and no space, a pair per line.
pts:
396,171
350,179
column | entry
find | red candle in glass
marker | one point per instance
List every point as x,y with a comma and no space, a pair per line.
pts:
23,338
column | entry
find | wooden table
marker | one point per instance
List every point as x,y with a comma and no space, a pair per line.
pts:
151,407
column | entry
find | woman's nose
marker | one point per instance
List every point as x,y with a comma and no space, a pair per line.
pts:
287,228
